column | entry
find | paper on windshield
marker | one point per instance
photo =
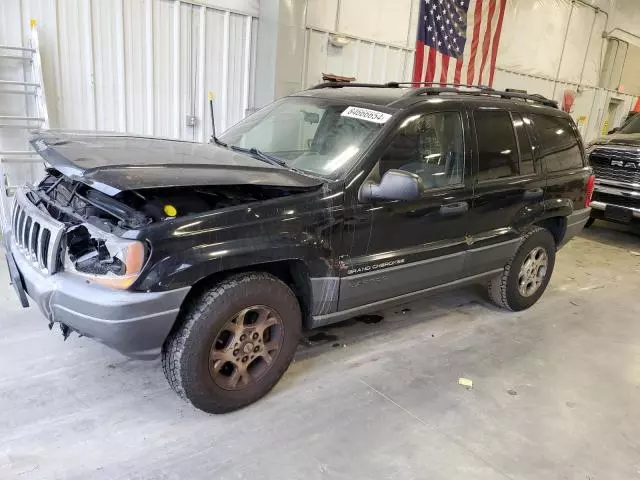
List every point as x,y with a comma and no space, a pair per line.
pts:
366,114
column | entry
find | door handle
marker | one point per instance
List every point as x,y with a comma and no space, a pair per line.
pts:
533,193
454,208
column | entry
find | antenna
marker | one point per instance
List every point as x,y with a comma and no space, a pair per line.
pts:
213,122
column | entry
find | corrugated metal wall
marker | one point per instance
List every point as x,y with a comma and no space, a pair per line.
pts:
364,59
140,66
381,37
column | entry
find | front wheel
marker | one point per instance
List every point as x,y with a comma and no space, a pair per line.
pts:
234,343
527,274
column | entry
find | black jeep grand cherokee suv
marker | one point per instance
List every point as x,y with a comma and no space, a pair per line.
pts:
336,201
615,159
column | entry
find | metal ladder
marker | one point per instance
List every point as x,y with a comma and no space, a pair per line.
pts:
23,107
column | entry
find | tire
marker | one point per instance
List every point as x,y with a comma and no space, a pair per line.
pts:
504,288
193,352
589,222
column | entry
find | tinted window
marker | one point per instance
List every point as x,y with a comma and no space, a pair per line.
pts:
558,143
497,150
526,152
429,145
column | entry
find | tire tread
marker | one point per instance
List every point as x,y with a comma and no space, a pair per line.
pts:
497,285
174,351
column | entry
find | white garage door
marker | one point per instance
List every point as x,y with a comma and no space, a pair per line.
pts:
142,66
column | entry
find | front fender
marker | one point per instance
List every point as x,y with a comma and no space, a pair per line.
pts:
187,266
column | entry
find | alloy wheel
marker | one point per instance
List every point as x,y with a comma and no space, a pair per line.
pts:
246,347
533,271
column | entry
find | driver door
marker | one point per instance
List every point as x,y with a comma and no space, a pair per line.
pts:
398,247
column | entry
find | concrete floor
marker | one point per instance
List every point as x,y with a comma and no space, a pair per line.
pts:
556,393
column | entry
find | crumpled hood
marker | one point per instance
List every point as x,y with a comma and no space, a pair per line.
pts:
112,163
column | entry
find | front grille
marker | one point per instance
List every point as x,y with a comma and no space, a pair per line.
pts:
601,158
617,174
35,233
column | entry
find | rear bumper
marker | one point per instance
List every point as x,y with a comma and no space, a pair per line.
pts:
133,323
575,223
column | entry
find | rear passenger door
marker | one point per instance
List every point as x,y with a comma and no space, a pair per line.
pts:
509,187
561,151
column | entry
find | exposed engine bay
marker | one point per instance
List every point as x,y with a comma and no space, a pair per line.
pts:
96,222
68,200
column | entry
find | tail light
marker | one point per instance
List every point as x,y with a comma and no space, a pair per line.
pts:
589,190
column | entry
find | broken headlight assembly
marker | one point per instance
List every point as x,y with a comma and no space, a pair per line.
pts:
103,258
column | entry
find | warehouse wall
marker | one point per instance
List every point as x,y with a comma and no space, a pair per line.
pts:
625,20
383,33
141,66
380,35
145,65
548,64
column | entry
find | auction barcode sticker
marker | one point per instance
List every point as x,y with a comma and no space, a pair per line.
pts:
366,114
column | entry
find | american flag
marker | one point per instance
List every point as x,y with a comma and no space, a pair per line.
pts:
458,41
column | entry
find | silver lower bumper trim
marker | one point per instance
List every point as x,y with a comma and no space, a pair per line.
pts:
596,205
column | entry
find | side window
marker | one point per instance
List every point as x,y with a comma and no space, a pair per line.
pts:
526,152
497,149
559,145
430,145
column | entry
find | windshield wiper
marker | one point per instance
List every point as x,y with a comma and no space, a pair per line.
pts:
260,155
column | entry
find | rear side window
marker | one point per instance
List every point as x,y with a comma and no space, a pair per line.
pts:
497,148
559,147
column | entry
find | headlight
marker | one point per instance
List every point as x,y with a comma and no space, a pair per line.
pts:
103,258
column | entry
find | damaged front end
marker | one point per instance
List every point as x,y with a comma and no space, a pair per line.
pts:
103,258
94,244
100,242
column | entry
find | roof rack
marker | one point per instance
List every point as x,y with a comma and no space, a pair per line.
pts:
349,84
456,85
453,88
533,97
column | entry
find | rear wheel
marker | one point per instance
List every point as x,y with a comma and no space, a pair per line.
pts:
527,274
234,343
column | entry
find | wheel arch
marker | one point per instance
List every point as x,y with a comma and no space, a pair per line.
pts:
293,272
557,226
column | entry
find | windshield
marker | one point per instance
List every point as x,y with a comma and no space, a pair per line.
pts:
632,126
319,136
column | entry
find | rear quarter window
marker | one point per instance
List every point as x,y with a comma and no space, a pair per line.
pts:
559,145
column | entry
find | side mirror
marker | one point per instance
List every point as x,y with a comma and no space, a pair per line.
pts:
613,131
395,185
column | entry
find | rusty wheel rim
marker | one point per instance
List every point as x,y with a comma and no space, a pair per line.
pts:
246,347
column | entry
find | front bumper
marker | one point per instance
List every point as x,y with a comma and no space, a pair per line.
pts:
625,201
133,323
